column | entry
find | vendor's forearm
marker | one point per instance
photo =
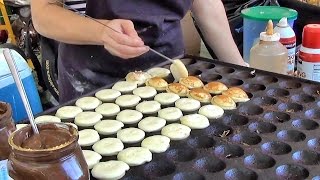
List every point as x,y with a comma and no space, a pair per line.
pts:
211,18
55,22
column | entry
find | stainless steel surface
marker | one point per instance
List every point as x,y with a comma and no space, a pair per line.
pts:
14,71
152,50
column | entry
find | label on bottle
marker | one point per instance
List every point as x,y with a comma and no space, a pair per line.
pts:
290,44
4,175
308,70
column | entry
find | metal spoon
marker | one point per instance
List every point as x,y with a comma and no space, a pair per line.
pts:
13,68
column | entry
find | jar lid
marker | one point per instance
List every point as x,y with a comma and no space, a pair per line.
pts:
264,13
311,36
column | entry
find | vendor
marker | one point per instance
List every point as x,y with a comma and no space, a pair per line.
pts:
92,55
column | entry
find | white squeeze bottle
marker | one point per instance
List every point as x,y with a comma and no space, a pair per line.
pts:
269,54
288,39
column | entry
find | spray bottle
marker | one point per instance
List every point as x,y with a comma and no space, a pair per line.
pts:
288,39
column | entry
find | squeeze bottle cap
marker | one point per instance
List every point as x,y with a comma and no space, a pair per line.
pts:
283,22
269,35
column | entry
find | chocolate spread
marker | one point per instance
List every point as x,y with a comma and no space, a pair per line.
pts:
58,156
47,138
7,126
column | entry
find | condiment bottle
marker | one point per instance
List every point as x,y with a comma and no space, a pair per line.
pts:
309,54
269,54
64,161
288,39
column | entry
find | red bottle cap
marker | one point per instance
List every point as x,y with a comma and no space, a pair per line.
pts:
311,36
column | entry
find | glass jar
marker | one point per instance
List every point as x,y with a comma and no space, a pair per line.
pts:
7,126
64,161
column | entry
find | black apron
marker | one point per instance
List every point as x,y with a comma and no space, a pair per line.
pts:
84,68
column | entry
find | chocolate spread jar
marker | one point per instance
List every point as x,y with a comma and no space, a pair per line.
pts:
7,126
53,154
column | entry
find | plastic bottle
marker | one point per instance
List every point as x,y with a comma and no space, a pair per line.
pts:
288,39
309,53
269,54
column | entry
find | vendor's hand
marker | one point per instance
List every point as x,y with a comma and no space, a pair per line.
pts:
126,44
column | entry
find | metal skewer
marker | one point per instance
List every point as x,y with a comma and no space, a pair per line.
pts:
152,50
14,71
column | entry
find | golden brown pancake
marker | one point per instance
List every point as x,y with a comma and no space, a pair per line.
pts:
200,95
191,82
178,89
225,102
158,83
215,87
237,94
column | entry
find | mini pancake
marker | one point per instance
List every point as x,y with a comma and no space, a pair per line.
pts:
19,126
225,102
88,103
108,146
125,86
191,82
128,101
108,109
107,127
138,77
129,116
200,95
211,111
110,170
148,107
187,104
166,99
135,156
88,137
237,94
195,121
92,158
87,119
108,95
215,87
158,83
68,112
47,119
176,131
156,144
170,114
178,70
159,72
151,124
178,89
145,92
130,135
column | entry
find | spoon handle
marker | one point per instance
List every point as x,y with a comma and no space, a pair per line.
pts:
13,68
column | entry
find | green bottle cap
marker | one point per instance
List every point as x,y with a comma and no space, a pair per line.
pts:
265,13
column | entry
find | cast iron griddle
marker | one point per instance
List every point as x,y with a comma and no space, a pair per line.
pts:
275,135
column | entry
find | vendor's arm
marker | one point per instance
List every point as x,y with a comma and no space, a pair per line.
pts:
212,20
55,22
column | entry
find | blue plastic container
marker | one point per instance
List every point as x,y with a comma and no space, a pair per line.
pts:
255,20
9,92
